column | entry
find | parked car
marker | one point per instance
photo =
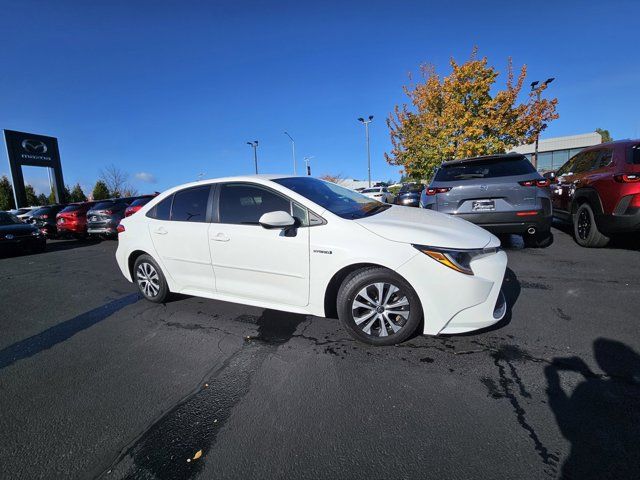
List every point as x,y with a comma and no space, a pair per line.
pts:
45,219
104,216
20,211
409,195
598,192
379,193
26,216
502,193
136,205
15,234
72,220
303,245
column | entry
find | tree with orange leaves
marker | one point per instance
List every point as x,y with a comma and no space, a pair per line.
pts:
461,115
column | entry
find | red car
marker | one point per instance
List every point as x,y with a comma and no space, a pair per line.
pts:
137,205
598,192
72,221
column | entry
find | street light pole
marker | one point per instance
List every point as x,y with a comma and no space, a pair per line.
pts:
254,144
293,148
366,131
538,91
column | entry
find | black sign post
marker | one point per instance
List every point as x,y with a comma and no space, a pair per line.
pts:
34,150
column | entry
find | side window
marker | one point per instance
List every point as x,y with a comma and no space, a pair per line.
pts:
604,159
567,167
162,210
245,204
586,161
300,213
190,205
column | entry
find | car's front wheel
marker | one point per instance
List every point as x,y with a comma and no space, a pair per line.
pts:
379,307
150,279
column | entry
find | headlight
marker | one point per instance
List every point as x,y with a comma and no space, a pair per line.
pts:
458,260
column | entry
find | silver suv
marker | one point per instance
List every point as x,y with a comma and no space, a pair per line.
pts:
502,193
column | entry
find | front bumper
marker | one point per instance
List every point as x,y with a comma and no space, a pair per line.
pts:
453,302
23,242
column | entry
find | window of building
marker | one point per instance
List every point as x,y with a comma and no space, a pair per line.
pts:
190,205
560,157
545,161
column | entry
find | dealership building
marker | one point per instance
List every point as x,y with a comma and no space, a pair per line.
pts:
554,152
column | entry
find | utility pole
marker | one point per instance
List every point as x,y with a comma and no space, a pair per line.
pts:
254,144
366,130
538,90
293,148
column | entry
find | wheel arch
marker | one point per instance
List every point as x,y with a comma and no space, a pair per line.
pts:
331,291
587,195
133,256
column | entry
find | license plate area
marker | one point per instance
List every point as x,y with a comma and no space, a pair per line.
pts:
483,205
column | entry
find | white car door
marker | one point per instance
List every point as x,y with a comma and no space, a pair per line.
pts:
179,233
251,261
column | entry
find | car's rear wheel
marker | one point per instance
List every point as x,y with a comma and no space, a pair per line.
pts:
378,307
150,279
585,230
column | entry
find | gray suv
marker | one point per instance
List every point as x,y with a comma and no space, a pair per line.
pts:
502,193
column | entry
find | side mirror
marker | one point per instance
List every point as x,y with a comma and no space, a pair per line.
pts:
277,219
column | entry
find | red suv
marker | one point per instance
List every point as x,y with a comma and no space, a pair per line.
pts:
598,192
72,221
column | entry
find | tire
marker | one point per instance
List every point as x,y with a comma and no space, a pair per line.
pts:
585,230
375,322
538,240
149,279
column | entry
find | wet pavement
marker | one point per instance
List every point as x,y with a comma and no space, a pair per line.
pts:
96,382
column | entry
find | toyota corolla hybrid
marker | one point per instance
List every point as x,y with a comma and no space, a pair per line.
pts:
303,245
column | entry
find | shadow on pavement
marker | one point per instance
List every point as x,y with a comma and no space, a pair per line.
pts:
601,417
61,332
621,241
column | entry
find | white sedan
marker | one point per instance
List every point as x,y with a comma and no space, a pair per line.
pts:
302,245
378,193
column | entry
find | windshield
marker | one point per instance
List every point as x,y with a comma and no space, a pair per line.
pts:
8,219
489,168
338,200
371,190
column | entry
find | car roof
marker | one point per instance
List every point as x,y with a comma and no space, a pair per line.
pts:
501,156
623,142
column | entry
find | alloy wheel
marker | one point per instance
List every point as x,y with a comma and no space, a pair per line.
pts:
584,224
148,279
380,309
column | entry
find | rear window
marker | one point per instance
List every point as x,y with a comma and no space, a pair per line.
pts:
103,205
634,155
371,190
489,168
140,202
70,208
411,188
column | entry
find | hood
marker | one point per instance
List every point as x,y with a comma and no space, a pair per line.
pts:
17,229
426,227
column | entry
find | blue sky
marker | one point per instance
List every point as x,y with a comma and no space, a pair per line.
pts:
171,89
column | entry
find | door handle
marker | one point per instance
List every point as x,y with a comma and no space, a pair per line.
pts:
220,237
160,231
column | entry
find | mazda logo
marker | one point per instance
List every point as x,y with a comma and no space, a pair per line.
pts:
484,188
34,146
9,236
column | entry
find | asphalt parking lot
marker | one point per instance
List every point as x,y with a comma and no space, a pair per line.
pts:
96,382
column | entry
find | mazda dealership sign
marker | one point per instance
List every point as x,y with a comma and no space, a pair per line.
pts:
33,150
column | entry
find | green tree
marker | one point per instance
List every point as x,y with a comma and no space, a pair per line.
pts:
606,136
66,195
76,194
32,198
7,202
463,115
100,191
